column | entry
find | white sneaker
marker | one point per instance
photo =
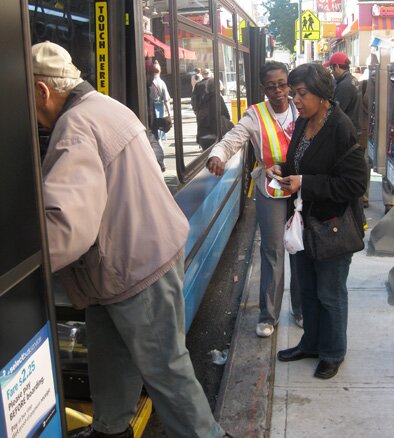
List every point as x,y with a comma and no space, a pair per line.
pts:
299,322
264,330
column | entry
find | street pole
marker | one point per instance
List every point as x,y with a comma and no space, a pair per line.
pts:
300,26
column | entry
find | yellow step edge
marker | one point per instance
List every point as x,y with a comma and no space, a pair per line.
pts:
80,414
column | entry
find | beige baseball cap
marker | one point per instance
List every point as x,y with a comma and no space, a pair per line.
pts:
52,60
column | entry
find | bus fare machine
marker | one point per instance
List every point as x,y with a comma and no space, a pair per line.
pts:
373,107
390,126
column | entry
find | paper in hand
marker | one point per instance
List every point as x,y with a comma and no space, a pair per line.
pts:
275,185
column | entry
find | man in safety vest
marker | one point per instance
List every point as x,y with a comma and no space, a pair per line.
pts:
269,126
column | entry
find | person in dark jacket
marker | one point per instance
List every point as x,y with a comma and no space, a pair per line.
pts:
199,90
207,116
323,133
347,90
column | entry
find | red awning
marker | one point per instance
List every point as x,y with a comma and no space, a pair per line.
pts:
149,50
166,49
183,53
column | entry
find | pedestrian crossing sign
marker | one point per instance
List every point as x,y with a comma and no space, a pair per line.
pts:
310,26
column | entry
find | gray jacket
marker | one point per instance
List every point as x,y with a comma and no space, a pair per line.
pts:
113,226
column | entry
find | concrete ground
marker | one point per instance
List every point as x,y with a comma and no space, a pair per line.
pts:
261,397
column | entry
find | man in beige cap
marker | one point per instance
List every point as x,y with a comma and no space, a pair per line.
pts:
117,237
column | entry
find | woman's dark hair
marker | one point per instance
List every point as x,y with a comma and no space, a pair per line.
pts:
316,78
270,66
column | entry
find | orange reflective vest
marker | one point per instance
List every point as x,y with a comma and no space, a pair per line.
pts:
274,144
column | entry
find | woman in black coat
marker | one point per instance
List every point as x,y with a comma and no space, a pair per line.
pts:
323,134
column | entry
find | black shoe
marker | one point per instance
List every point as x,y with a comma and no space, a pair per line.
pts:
294,354
89,432
326,370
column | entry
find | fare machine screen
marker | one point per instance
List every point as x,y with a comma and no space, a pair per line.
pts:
390,125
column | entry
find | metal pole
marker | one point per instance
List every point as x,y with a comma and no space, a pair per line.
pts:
300,25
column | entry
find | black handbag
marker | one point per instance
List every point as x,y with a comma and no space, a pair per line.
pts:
162,123
333,237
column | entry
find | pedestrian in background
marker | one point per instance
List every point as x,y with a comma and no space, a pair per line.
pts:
117,237
269,126
159,99
322,135
199,90
347,89
348,94
208,114
197,77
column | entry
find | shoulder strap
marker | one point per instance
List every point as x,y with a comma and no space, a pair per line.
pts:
348,152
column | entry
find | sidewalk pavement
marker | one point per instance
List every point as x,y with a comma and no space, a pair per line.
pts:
261,397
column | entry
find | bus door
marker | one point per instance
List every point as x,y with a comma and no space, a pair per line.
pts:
30,390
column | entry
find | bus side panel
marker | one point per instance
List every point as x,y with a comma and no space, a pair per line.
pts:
200,272
218,196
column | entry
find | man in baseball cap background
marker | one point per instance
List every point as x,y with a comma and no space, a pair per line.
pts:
347,90
349,96
338,58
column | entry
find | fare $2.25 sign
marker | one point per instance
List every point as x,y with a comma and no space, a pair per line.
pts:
28,398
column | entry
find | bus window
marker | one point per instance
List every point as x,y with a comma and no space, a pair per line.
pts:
196,11
225,24
198,107
242,74
68,24
160,78
233,81
228,74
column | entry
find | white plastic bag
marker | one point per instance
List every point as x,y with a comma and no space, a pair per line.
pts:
292,238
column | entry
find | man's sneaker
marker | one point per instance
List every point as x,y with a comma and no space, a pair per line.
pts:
264,330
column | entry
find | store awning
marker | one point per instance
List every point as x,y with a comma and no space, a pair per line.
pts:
149,50
352,27
183,53
166,49
382,23
340,29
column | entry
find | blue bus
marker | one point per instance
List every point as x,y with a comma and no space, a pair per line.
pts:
115,45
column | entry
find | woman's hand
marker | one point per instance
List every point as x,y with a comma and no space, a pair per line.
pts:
216,166
291,183
275,169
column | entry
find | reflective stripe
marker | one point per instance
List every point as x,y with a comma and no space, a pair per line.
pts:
270,128
272,137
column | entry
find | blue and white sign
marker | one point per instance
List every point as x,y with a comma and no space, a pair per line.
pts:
28,397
